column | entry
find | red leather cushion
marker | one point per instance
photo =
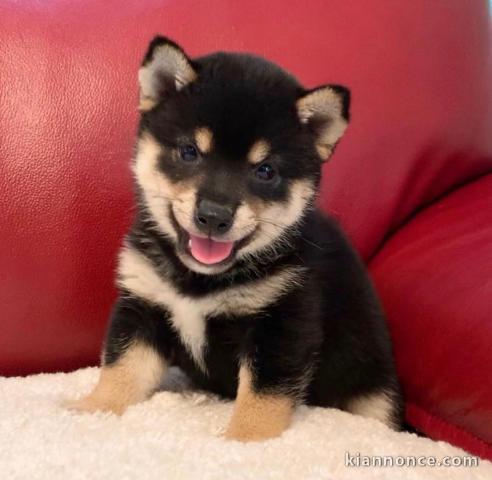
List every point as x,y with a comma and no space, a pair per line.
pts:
68,98
434,277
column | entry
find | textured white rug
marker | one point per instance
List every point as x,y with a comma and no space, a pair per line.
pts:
176,436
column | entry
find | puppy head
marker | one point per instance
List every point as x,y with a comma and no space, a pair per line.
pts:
229,152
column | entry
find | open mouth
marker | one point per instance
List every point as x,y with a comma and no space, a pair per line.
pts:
208,251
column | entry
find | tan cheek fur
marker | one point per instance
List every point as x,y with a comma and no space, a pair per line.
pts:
257,417
184,205
158,191
130,380
274,218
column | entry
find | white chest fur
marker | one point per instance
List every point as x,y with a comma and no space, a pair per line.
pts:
188,315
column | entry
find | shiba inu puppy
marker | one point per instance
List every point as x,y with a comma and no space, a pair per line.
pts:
229,271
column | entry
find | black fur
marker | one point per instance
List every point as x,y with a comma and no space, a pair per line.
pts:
325,340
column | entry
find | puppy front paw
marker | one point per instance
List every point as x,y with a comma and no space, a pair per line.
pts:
93,403
257,416
249,432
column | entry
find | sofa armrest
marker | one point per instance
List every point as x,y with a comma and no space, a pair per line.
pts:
434,277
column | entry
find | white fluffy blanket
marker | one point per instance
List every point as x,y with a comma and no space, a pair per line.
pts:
176,436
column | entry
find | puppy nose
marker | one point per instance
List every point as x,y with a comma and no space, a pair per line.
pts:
213,218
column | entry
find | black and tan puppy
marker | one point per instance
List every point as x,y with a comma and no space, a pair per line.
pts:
229,270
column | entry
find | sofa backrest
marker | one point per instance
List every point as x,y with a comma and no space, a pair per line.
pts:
421,111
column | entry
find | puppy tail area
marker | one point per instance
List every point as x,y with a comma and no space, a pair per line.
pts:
385,406
406,427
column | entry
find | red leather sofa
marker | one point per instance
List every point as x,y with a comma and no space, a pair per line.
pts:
411,181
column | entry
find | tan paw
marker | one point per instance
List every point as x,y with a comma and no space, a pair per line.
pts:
252,433
92,403
257,417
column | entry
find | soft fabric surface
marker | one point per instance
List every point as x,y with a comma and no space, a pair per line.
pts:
177,436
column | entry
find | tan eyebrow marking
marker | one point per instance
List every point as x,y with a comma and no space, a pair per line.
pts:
204,139
258,152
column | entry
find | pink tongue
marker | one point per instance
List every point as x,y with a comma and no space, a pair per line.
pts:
208,251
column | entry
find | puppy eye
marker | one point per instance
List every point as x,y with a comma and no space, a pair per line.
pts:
188,153
265,172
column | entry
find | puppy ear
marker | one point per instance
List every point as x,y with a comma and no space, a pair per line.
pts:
165,69
326,111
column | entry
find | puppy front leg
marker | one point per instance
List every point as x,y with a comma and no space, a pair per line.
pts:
258,416
132,367
277,362
129,380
